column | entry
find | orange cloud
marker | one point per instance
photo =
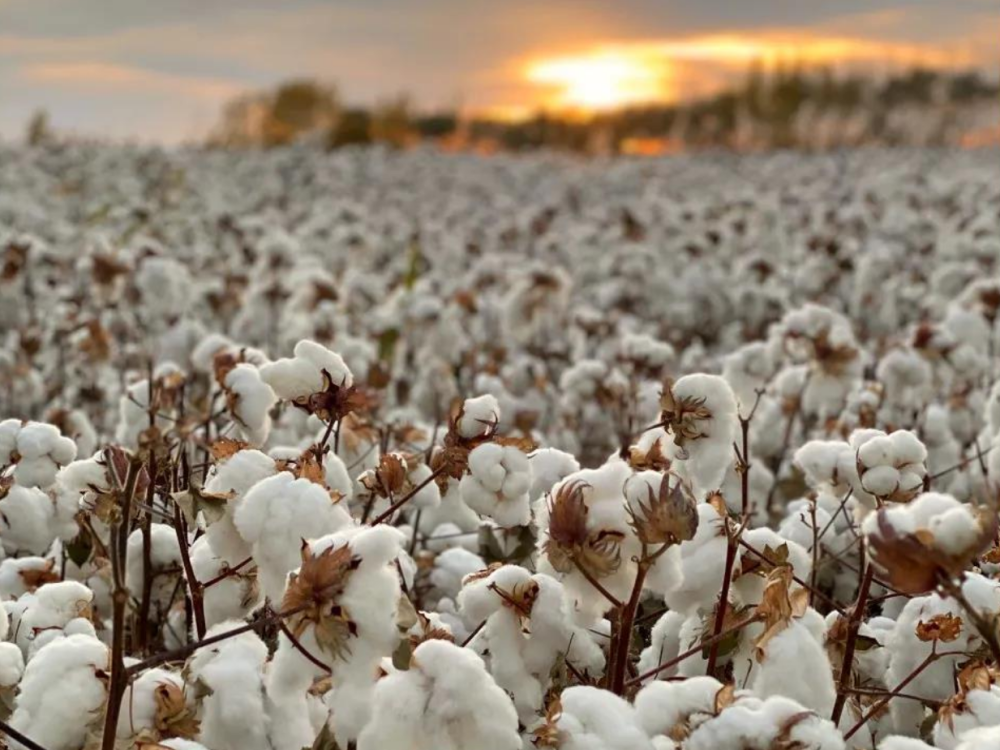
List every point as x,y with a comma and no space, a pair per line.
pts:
103,76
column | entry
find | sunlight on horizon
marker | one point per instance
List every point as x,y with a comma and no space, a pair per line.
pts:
612,75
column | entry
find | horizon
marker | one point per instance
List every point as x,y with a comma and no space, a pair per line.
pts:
117,70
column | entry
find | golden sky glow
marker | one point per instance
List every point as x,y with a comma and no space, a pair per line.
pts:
602,80
615,75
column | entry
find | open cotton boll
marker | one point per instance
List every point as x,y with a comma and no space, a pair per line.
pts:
450,567
37,451
497,484
336,476
549,466
303,374
233,715
981,738
756,724
640,490
954,527
664,645
61,693
445,701
586,518
141,703
524,643
164,553
795,665
370,601
19,575
275,516
907,651
250,400
967,711
229,598
11,670
703,564
235,477
700,412
204,353
903,743
478,416
27,520
592,718
674,709
52,607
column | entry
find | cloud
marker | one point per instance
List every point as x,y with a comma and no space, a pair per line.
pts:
109,77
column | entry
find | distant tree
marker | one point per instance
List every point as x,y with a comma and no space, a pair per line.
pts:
392,122
293,110
39,131
298,108
353,128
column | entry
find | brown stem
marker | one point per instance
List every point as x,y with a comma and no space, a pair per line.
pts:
720,611
183,652
119,602
877,707
387,514
626,621
194,586
227,573
853,628
297,644
29,743
692,651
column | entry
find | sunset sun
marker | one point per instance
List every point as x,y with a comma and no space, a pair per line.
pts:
600,81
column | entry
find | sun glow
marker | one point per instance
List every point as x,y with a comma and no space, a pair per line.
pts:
602,81
615,75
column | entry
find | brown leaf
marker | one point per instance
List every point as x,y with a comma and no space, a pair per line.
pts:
174,718
944,627
225,448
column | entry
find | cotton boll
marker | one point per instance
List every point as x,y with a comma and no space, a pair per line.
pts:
52,608
27,520
664,645
703,562
497,484
139,702
593,718
250,400
275,516
600,491
704,442
303,374
968,711
524,644
445,701
20,575
230,598
549,466
370,599
233,713
478,416
450,567
235,477
795,665
40,450
753,723
61,692
675,708
164,553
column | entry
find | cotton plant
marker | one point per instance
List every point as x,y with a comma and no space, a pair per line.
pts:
276,514
347,589
445,700
36,451
62,692
497,484
528,628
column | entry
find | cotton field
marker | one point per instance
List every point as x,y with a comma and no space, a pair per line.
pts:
412,451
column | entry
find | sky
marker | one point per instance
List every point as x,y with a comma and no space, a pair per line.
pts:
161,71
